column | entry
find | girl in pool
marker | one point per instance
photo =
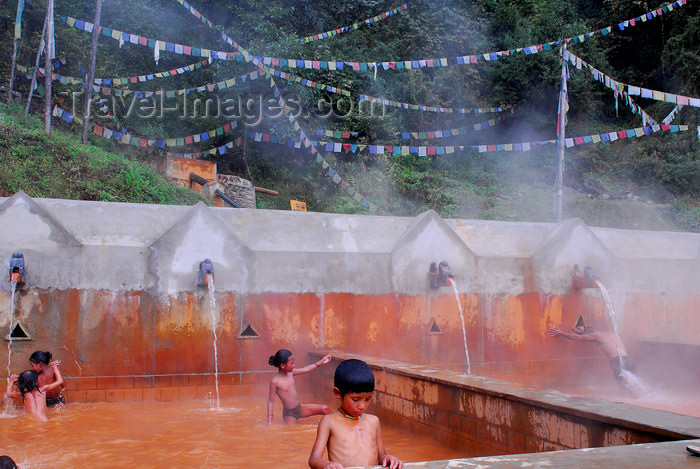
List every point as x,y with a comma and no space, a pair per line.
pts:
33,395
41,363
283,386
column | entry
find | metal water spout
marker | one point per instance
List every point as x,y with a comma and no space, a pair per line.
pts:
587,279
206,268
439,273
18,273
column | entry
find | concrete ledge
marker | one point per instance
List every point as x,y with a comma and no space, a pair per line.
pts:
643,456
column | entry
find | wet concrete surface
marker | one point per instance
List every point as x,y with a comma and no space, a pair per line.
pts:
643,456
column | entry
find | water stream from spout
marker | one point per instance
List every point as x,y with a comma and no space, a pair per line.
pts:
8,406
611,315
213,313
12,312
464,328
636,385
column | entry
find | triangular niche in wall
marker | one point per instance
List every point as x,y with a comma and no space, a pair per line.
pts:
18,332
248,332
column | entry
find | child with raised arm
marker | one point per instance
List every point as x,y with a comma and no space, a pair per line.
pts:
41,363
33,395
351,437
283,386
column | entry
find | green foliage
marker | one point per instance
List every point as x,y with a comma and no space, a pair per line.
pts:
662,54
686,214
61,167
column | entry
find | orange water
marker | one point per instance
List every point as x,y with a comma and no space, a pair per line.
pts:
179,434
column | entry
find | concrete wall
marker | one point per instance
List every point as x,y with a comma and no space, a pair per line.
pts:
112,286
482,416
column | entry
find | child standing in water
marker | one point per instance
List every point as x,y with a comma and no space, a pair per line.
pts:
283,386
33,395
41,363
351,437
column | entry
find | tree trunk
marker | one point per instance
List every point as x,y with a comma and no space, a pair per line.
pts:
91,72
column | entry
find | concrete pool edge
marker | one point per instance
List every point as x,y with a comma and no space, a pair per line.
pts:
489,417
640,456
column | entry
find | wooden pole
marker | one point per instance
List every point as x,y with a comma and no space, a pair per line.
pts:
266,191
17,32
47,62
36,66
245,154
12,72
91,73
561,135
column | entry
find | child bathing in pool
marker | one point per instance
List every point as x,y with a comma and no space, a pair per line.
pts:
33,396
283,386
41,363
351,437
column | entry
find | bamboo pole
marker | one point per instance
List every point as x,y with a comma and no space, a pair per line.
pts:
561,136
245,155
36,66
48,74
20,6
12,73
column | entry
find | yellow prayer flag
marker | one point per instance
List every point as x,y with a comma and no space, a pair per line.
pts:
297,206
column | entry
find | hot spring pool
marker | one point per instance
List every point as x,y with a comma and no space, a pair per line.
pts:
187,433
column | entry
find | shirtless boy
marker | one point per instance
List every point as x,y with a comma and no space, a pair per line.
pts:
284,387
41,363
351,437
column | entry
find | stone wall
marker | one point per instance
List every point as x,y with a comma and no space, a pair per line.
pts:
239,189
115,285
484,417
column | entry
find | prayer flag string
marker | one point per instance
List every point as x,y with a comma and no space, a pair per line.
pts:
631,90
293,78
390,65
345,29
333,65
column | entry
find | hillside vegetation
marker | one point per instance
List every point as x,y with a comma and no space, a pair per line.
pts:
645,182
60,167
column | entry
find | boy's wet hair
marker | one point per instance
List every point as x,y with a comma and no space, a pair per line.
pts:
40,357
353,376
280,358
27,382
7,462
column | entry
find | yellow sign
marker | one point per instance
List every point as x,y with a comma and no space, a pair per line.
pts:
298,205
